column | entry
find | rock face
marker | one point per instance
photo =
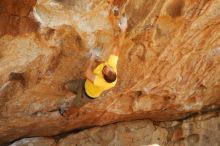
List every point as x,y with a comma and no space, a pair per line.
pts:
38,141
201,130
168,67
14,17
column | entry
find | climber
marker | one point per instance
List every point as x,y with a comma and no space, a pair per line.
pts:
98,79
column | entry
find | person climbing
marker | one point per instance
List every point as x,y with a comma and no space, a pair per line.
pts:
98,79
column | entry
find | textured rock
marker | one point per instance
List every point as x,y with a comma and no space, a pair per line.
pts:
168,67
129,133
201,130
14,17
38,141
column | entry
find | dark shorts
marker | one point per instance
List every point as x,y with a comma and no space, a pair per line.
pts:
78,88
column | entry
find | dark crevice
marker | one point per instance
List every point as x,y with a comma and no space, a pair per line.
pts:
174,9
204,110
75,131
18,77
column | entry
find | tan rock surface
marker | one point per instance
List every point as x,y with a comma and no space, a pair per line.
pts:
202,130
37,141
125,134
198,131
168,67
14,17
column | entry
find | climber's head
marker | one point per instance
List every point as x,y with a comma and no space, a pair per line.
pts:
108,74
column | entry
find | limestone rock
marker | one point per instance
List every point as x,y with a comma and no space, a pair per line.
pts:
202,130
14,16
197,131
37,141
168,67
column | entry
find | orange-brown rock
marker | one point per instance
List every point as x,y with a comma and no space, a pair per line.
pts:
168,67
196,131
14,16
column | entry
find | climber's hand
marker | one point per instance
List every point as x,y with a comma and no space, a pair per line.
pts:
115,11
97,53
123,23
93,56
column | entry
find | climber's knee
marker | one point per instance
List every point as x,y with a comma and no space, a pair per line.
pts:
82,98
72,85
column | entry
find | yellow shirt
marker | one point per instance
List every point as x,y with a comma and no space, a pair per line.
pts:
100,84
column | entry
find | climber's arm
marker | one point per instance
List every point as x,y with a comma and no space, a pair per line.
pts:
119,44
123,27
89,71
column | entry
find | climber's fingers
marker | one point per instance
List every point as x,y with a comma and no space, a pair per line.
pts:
123,23
115,11
95,54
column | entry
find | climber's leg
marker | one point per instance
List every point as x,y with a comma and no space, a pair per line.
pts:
81,98
77,102
85,98
72,85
